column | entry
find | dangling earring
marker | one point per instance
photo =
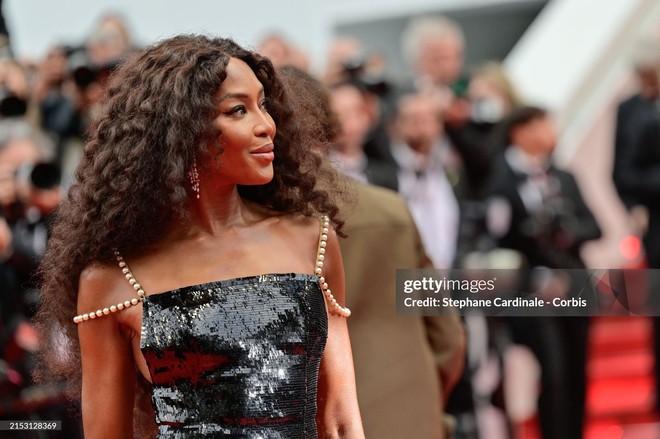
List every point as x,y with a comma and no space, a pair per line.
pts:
193,176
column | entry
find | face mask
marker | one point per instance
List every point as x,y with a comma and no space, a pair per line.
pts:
487,111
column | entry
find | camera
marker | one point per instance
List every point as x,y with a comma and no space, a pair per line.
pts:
11,105
40,175
82,70
357,70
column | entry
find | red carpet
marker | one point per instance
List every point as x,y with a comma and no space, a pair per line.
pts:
620,382
621,386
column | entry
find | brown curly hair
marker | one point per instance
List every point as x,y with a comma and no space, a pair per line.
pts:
131,184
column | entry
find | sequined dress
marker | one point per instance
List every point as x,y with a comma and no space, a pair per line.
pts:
236,358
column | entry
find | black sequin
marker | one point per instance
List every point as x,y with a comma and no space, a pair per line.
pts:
236,358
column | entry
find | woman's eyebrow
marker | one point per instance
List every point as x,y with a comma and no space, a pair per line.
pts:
238,95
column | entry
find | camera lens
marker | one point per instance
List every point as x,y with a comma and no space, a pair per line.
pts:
45,176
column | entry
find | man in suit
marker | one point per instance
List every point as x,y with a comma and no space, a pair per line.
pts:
429,173
632,113
542,215
642,177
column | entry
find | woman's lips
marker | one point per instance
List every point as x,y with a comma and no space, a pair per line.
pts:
264,153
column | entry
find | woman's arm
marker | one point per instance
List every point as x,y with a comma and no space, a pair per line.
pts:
338,412
108,368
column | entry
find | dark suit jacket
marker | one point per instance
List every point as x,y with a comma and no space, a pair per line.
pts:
382,173
643,178
631,115
403,365
557,244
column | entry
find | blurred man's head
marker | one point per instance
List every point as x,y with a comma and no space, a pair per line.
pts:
282,52
435,46
417,122
532,130
351,106
646,60
109,41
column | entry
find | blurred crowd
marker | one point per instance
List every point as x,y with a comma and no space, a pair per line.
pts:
466,177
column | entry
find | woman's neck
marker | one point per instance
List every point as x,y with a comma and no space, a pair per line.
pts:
215,211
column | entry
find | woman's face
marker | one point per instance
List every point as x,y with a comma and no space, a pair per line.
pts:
246,129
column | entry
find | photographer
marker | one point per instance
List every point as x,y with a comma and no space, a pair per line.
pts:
472,121
543,216
70,82
29,194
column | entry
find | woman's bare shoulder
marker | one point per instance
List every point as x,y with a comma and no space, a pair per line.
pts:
101,284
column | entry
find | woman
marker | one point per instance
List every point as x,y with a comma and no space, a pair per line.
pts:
195,186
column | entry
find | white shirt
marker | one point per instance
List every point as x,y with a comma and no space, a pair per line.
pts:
425,186
537,186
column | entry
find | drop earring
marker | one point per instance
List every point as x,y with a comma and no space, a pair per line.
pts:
193,176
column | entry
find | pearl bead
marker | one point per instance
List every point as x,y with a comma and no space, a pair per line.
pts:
134,301
85,316
322,251
324,237
141,292
129,276
132,280
319,264
325,230
92,316
120,306
113,308
124,270
127,304
322,279
319,271
323,244
321,257
99,313
136,286
325,285
106,311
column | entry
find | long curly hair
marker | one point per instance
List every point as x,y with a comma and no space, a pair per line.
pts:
131,184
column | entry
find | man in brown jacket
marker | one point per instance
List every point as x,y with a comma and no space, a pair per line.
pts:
405,367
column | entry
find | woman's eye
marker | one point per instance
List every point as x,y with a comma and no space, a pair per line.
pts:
264,104
239,109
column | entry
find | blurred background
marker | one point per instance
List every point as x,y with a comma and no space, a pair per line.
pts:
591,66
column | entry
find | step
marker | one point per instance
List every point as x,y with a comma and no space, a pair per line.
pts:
619,334
635,364
620,397
612,429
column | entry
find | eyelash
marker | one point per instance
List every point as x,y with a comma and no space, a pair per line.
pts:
242,110
237,109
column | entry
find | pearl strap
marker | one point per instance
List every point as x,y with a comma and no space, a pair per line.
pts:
335,308
121,305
